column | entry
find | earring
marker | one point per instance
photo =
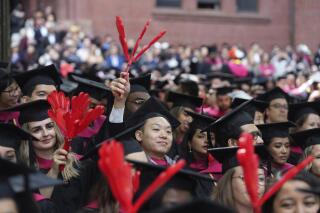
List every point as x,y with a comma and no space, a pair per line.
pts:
190,150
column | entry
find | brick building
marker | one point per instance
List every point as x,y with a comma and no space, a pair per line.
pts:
197,22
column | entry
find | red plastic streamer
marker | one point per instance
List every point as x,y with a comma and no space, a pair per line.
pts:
118,173
149,45
123,181
163,178
122,37
249,162
72,120
287,176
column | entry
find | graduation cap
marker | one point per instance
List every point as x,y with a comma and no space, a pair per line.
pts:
224,90
184,180
11,136
198,205
140,84
252,107
95,89
272,130
183,100
47,75
158,87
240,81
151,108
200,121
228,126
189,87
31,111
68,87
219,75
227,156
275,94
298,110
15,178
306,138
36,180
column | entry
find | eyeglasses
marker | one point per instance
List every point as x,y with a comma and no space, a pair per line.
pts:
13,91
279,106
261,179
256,135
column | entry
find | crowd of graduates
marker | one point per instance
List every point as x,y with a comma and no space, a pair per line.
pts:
175,103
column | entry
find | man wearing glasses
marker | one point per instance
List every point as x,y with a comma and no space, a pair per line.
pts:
228,128
277,110
10,95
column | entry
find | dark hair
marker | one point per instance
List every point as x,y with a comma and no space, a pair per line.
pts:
301,121
183,148
303,176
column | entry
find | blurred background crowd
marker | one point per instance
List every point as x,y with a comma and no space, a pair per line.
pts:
37,40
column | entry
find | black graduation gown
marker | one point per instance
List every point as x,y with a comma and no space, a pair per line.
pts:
71,196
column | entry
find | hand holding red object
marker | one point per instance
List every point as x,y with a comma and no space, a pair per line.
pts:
72,120
123,182
249,162
122,37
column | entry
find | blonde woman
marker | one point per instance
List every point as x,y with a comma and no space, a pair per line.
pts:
47,155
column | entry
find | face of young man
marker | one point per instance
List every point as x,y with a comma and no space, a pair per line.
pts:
277,111
40,92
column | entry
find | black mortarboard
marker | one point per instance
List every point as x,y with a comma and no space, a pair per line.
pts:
298,110
219,75
11,136
240,81
189,87
95,89
184,179
68,87
200,121
36,180
275,94
228,126
306,138
151,108
183,100
252,107
272,130
227,156
224,90
47,75
199,205
140,84
16,178
31,111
